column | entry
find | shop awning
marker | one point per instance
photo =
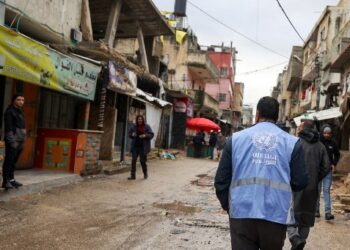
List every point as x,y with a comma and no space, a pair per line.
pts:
320,115
27,60
152,99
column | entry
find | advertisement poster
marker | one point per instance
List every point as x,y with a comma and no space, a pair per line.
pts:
27,60
121,79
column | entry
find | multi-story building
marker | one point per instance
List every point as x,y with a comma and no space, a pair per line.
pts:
224,59
73,102
190,70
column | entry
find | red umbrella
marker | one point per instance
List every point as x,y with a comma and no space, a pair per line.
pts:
202,124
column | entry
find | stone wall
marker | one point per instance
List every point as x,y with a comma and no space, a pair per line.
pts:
92,154
344,163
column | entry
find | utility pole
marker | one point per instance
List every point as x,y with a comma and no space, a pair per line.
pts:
318,81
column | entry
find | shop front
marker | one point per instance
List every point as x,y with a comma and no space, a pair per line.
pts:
58,89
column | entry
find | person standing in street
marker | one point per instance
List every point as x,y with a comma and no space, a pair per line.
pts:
326,183
259,169
198,142
317,164
141,135
15,135
212,143
220,144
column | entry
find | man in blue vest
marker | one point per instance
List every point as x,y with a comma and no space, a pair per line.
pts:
259,169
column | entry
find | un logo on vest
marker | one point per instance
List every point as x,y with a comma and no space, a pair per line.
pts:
265,141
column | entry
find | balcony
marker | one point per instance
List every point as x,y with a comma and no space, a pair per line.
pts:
203,102
342,48
295,69
200,63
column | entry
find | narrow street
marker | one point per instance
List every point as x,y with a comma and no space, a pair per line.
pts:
175,208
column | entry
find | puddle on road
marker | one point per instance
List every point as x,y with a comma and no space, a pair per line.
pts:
178,207
203,181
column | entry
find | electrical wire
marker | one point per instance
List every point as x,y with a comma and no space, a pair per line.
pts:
262,69
21,16
21,12
290,21
218,78
236,31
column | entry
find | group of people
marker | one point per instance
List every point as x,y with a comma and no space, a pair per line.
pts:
216,143
269,181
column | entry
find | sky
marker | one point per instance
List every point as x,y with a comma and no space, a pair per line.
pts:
261,20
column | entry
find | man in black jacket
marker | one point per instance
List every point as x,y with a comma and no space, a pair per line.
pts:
317,164
333,155
15,134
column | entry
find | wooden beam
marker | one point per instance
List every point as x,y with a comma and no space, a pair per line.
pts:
85,22
112,25
142,46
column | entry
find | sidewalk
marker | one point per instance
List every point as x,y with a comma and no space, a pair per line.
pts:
37,180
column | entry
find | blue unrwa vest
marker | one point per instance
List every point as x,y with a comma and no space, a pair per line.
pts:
260,187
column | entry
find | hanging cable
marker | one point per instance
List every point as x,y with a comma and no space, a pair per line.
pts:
235,31
290,21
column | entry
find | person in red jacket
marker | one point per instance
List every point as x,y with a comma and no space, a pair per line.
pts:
141,135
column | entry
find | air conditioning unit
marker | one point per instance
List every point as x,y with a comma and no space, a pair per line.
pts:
76,35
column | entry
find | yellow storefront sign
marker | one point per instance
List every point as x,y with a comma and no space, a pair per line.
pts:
25,59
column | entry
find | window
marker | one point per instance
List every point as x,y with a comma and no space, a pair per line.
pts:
58,110
222,97
306,56
223,71
323,34
337,24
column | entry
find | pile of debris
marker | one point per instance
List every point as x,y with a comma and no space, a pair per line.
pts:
343,206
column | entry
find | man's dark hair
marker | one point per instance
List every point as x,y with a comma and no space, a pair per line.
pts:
15,96
308,124
268,108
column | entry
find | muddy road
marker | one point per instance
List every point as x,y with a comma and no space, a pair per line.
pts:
175,208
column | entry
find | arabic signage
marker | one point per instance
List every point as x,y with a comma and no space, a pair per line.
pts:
24,59
121,79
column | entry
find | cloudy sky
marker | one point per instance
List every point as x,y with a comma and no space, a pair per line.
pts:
261,20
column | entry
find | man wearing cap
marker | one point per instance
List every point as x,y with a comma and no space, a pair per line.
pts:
259,169
334,155
15,134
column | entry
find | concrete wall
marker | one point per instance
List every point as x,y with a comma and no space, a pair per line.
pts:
59,15
92,154
177,58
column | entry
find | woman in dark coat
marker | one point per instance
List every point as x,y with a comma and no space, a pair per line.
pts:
141,135
316,160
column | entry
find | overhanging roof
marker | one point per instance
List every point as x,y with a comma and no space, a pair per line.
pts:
144,11
319,115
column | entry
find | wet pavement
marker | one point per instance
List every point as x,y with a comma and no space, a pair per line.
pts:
175,208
